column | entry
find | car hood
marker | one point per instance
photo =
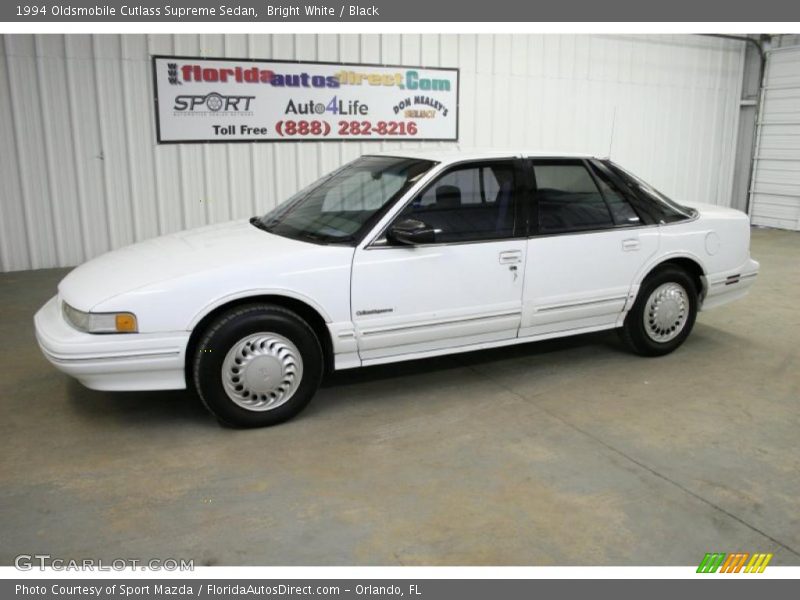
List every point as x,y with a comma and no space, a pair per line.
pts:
171,256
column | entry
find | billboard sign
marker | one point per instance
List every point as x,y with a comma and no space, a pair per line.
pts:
244,100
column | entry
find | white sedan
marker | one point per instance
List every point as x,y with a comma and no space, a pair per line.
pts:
395,257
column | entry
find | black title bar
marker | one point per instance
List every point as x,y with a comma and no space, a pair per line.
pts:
259,11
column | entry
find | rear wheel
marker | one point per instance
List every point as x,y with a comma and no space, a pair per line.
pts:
257,365
663,314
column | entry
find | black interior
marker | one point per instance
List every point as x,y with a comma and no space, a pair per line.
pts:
457,221
561,210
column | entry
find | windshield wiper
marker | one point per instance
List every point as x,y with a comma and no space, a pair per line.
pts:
314,237
311,236
257,222
323,238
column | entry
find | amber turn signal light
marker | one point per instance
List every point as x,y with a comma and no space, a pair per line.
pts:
125,322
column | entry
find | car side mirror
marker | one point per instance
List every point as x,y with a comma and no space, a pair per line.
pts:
411,232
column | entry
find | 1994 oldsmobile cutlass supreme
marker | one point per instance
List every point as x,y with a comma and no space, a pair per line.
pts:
395,257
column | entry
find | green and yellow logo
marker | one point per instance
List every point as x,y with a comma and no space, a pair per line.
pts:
714,562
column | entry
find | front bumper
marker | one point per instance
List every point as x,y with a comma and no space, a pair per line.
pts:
118,362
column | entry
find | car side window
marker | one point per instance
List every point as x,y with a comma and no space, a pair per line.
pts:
470,203
568,199
621,210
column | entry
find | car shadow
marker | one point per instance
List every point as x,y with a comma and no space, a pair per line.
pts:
157,408
183,407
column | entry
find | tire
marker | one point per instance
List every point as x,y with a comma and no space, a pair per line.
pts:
257,365
674,292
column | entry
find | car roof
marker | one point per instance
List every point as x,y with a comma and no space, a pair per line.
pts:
449,155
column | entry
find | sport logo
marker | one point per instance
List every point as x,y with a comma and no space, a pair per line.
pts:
734,563
212,102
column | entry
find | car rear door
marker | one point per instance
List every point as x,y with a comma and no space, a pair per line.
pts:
587,245
463,289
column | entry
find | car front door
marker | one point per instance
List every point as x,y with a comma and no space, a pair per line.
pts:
460,289
588,244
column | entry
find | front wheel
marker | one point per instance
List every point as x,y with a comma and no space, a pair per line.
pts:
663,314
257,365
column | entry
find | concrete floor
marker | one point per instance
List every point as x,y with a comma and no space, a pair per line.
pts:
570,452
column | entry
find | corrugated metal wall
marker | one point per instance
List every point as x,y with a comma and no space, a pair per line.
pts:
81,173
775,190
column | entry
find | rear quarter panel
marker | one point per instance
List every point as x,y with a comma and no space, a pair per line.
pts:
718,239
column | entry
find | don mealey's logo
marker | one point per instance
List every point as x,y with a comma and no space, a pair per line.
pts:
212,102
429,107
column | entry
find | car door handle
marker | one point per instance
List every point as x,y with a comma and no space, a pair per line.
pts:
630,245
510,257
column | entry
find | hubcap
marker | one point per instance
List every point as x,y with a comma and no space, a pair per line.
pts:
665,312
262,371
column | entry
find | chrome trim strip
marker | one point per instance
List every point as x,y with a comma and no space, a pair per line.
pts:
537,236
585,303
512,341
368,332
617,228
376,246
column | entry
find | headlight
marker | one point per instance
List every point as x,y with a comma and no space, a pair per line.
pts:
122,322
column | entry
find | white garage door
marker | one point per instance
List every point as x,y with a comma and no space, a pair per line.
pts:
775,192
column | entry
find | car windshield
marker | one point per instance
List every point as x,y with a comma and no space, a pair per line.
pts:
341,205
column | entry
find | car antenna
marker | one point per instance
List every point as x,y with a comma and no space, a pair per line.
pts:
611,137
